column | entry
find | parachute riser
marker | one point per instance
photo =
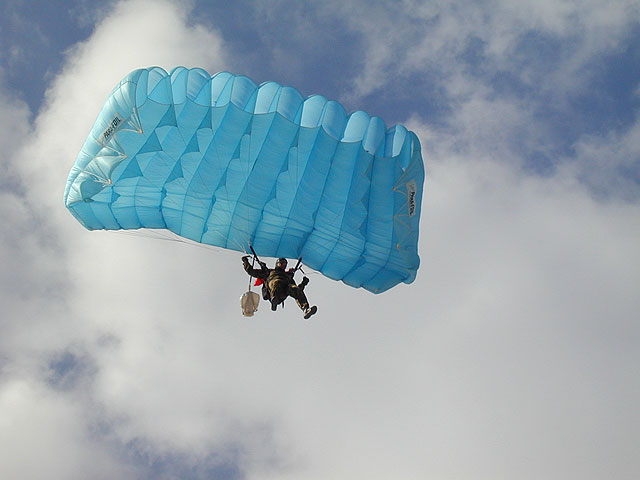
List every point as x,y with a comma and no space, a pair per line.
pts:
253,262
255,257
298,266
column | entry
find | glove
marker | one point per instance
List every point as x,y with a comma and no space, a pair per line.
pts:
245,259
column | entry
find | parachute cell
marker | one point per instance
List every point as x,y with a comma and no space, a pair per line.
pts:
221,161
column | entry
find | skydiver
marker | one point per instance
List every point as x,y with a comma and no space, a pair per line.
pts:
279,284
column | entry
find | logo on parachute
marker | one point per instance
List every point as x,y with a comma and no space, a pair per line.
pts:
412,189
111,130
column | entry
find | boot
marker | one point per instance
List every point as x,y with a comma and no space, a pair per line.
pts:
309,311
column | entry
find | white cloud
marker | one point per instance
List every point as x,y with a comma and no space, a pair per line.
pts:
30,284
514,354
548,52
44,435
610,163
136,34
435,34
47,261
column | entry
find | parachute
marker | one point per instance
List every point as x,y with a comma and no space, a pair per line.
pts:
223,162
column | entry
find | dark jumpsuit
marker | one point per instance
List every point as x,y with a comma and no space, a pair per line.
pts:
279,284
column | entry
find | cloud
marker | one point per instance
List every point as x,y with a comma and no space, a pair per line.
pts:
436,35
531,281
50,431
514,354
609,163
524,81
31,283
48,314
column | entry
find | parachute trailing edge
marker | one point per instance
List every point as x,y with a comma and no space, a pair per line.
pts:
224,162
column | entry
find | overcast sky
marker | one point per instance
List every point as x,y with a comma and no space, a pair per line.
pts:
515,353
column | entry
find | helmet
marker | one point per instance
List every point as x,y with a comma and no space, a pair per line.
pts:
281,263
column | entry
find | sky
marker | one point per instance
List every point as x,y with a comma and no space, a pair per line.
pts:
514,354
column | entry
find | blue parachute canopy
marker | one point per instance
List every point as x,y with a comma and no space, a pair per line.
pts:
223,162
